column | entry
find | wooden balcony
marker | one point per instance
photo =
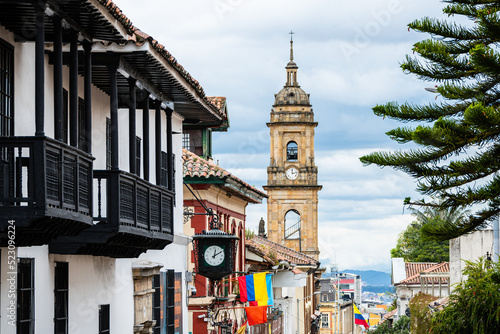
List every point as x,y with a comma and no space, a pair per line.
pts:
45,189
131,216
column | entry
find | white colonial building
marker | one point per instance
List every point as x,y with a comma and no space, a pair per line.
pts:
91,117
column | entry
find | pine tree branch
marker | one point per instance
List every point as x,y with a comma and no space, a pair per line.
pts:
410,112
445,29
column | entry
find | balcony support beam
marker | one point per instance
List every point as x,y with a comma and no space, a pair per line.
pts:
170,154
73,91
58,79
113,106
158,137
132,125
145,134
39,69
87,46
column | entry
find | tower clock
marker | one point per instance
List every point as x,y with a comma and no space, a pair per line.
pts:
292,206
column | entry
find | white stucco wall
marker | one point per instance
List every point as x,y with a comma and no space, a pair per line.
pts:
92,280
398,270
468,247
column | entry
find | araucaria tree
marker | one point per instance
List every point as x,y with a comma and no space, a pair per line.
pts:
457,157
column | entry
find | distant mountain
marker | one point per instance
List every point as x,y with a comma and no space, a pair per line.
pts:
371,277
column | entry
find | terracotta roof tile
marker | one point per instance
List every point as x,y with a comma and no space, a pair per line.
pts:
282,253
195,166
219,102
140,37
390,314
443,267
413,268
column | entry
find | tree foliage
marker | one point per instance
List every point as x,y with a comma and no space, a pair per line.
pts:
457,140
421,314
412,247
422,241
402,326
474,305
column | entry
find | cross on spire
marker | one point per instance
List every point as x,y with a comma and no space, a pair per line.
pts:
291,35
291,45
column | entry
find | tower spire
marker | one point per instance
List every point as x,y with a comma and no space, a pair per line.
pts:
291,67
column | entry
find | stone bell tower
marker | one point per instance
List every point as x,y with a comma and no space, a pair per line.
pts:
292,176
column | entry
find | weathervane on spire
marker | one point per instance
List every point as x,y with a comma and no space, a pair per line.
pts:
291,45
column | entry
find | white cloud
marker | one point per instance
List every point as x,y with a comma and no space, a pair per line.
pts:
348,54
361,244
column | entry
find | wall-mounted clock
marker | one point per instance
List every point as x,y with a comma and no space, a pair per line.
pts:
214,255
292,173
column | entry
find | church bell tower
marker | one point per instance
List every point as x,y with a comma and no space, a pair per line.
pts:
292,176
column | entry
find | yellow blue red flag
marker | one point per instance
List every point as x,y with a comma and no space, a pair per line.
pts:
358,317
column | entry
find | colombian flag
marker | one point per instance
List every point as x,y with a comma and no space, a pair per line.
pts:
256,289
358,317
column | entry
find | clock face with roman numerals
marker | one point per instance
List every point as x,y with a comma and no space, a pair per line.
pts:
292,173
214,255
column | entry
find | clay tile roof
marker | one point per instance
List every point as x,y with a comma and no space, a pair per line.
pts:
195,166
414,268
282,253
219,102
443,267
390,314
387,316
139,37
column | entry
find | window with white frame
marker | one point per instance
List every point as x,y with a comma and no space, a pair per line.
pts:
325,320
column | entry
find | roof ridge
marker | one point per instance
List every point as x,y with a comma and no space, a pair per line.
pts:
438,265
284,247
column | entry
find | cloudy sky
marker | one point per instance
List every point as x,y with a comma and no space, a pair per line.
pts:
348,53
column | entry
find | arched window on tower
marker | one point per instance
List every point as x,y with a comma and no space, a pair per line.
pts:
291,151
292,225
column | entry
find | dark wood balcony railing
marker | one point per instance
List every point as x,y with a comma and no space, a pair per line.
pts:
131,216
125,200
45,187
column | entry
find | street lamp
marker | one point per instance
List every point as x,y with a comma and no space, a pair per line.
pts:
298,314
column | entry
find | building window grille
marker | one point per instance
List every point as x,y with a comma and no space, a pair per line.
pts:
138,156
104,327
325,323
6,93
192,140
61,290
108,143
25,296
65,117
157,304
6,89
170,302
186,141
291,151
82,143
164,170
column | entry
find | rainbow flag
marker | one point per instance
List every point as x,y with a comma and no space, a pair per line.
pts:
256,289
358,317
